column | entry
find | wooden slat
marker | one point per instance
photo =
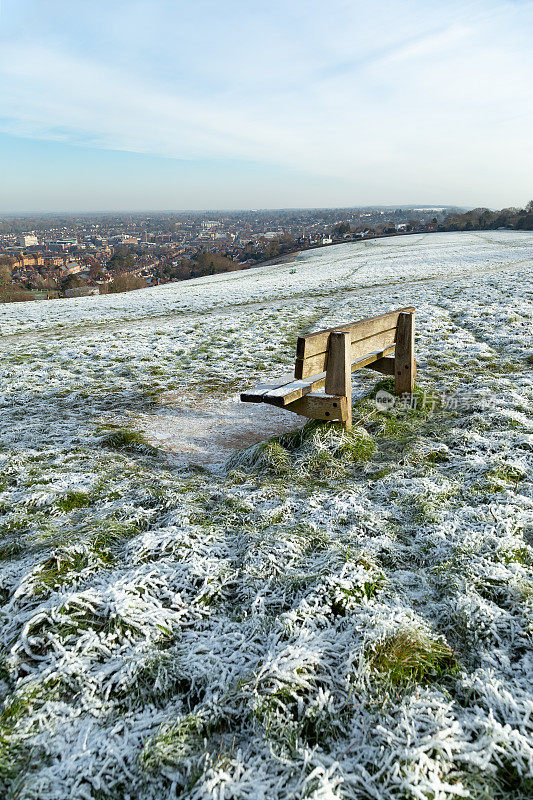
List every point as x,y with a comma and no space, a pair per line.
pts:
319,406
283,395
305,367
369,358
314,343
383,365
256,394
404,355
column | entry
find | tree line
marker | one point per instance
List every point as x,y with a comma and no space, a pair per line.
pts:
520,219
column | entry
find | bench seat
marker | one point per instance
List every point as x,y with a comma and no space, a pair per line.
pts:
286,390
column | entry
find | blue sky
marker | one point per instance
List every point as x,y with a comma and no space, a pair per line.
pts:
162,104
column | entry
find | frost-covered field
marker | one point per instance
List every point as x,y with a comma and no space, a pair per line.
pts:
326,616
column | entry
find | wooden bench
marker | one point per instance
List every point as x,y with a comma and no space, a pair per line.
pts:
326,359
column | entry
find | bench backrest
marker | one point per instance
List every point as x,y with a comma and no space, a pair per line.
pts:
367,336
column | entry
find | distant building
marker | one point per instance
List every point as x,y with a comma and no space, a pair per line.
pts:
61,244
124,238
53,261
327,240
28,240
26,260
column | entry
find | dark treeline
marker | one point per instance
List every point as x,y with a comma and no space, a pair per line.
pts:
205,262
520,219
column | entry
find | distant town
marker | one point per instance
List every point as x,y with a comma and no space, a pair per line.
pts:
50,256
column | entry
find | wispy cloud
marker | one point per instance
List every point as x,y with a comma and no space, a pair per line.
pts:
388,94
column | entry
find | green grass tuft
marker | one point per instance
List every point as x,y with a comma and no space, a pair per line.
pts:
383,385
184,748
503,783
517,555
410,656
74,618
73,500
356,445
270,457
11,550
16,756
503,475
296,439
172,743
280,712
127,440
60,568
157,679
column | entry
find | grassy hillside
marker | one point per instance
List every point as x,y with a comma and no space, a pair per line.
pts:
328,615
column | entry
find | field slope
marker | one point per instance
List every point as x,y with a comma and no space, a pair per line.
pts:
320,616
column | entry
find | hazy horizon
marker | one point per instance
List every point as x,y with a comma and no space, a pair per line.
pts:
162,211
158,105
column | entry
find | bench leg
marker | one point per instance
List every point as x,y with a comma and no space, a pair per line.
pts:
404,354
319,407
339,371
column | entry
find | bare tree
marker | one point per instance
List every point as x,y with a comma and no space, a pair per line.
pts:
5,275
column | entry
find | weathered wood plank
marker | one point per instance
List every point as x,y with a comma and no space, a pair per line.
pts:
313,343
283,395
319,406
303,368
369,358
404,354
339,371
256,394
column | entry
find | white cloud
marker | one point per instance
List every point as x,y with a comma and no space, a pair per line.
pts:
420,105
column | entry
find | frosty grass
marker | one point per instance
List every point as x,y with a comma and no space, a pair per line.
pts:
328,616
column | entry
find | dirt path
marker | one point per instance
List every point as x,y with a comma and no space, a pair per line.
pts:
207,434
